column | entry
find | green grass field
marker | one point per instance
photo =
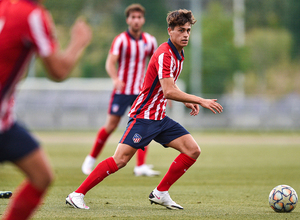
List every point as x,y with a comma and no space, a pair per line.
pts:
231,180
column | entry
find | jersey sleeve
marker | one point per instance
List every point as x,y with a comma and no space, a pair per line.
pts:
41,29
165,65
116,46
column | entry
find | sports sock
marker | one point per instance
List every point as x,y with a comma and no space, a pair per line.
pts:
102,170
141,156
179,166
99,142
23,202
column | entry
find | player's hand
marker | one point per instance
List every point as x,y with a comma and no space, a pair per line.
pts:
212,105
194,107
81,33
118,84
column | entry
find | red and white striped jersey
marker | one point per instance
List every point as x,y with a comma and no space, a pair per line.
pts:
132,59
166,62
25,27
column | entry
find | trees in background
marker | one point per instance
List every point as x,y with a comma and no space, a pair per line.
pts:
272,40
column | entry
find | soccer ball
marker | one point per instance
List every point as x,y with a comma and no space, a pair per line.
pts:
283,198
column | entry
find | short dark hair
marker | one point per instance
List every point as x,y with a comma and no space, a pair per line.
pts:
180,17
134,7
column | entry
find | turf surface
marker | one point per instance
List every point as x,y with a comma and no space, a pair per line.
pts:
231,180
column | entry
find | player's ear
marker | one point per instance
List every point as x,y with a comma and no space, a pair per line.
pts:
169,31
144,20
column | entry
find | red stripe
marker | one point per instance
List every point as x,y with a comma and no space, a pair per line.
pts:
127,55
110,101
159,115
136,64
128,130
113,44
120,57
144,38
178,70
142,78
144,62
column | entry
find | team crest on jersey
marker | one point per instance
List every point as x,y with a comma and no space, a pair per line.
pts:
136,138
115,107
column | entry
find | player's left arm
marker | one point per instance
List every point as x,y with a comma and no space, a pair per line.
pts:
194,107
169,85
171,91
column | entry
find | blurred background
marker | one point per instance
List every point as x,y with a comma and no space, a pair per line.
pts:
245,53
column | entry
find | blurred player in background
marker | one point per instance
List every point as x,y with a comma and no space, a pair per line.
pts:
129,50
148,120
27,28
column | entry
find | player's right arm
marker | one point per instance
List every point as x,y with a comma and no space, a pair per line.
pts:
60,63
111,69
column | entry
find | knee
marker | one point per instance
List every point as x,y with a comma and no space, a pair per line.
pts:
195,152
111,128
120,162
47,179
43,181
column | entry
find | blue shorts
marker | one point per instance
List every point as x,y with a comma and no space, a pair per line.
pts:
16,143
119,103
140,132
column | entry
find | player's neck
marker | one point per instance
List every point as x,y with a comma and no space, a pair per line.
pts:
178,48
135,34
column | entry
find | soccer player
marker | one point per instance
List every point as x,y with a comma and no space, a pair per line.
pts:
148,120
129,50
26,28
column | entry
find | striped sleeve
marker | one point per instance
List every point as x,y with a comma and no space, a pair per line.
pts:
41,28
166,66
116,45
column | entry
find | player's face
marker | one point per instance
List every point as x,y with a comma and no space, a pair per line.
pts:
135,21
180,35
